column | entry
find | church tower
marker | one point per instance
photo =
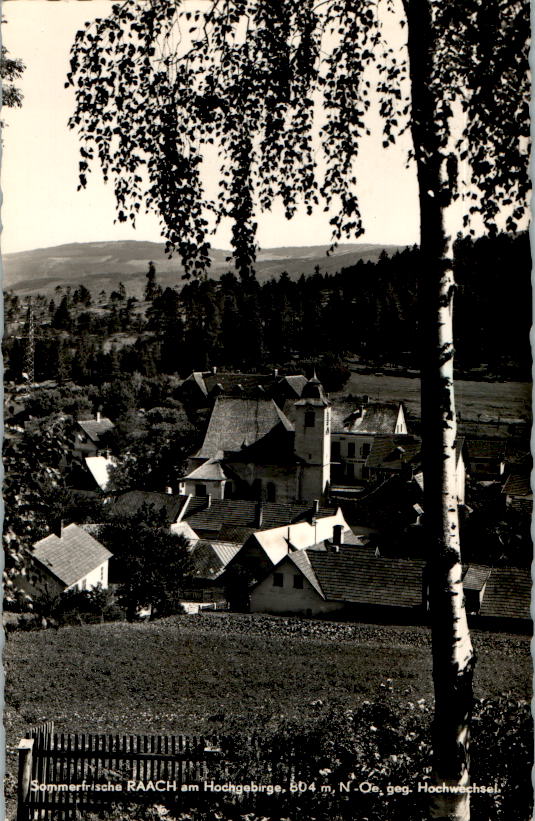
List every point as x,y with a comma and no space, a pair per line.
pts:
313,441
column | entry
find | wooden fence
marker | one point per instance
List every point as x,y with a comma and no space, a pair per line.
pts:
62,773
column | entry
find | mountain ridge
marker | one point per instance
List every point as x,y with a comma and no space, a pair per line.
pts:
105,264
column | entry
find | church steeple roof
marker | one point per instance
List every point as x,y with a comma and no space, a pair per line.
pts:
313,393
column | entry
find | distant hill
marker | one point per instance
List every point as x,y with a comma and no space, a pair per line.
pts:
102,265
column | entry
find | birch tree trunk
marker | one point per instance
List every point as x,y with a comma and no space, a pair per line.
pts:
453,656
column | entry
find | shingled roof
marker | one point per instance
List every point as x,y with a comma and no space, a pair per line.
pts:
373,417
357,576
518,484
94,428
507,594
131,502
237,423
72,556
211,470
226,514
210,558
391,452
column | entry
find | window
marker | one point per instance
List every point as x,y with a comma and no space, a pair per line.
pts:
351,449
365,450
298,582
271,492
350,470
278,580
310,419
335,450
200,490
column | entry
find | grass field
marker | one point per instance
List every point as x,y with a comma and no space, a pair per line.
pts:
211,672
507,401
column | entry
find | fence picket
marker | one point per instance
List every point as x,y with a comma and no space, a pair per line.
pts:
96,758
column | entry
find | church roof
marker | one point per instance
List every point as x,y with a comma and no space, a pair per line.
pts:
313,393
236,423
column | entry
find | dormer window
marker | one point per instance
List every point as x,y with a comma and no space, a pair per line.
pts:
310,419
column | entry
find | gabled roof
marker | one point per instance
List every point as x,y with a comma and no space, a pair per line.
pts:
210,558
94,428
277,541
391,452
237,423
358,576
296,382
197,379
212,470
99,467
72,556
518,484
302,562
131,502
373,417
237,513
475,577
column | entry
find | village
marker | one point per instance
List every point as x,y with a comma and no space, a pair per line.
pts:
292,503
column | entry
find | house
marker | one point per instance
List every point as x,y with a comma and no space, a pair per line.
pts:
499,597
356,578
393,455
266,548
87,441
486,458
234,520
518,492
252,450
311,582
354,428
210,559
74,559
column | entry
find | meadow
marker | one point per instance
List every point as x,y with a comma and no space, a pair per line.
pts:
210,673
486,402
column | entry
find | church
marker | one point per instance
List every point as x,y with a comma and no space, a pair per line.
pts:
251,449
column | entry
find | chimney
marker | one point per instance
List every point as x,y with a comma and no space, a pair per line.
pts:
214,370
98,416
316,507
338,536
259,514
59,529
275,372
169,490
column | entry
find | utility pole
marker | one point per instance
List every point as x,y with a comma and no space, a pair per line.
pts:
29,351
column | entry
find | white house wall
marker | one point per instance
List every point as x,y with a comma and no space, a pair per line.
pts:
266,598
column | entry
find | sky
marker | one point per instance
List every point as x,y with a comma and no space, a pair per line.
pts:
41,207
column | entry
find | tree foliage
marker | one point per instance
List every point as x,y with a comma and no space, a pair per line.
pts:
150,563
267,83
11,69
